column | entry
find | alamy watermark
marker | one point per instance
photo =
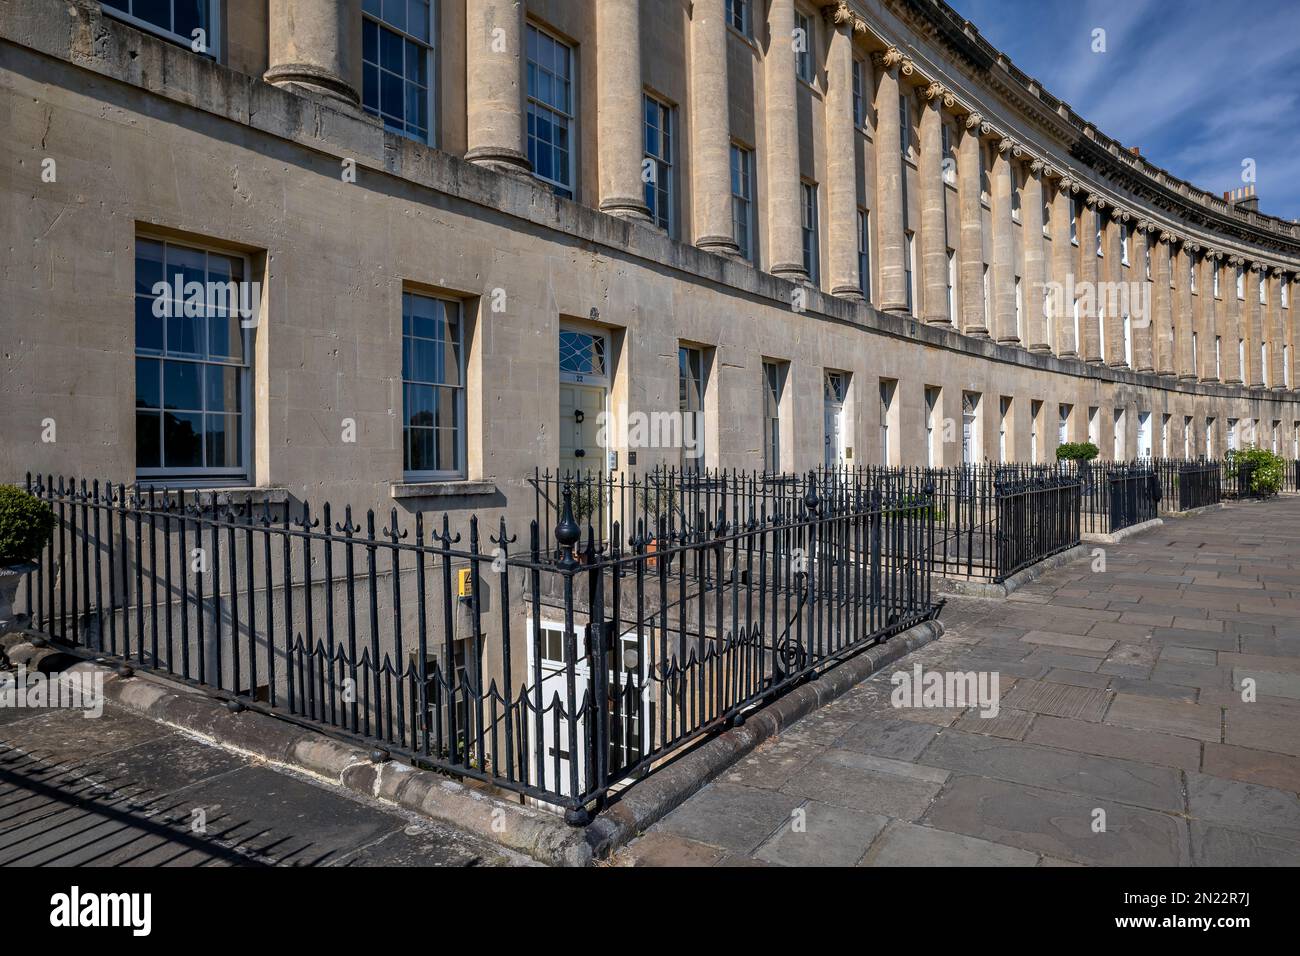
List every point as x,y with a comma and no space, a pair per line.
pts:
70,690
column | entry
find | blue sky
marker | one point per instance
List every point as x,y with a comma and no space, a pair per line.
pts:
1199,85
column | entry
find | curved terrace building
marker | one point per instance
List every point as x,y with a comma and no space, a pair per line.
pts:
477,237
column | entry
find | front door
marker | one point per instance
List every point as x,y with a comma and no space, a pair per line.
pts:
561,754
580,410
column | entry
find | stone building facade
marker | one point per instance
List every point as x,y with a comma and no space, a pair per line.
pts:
470,231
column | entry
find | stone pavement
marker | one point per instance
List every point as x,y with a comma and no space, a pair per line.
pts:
122,790
1122,736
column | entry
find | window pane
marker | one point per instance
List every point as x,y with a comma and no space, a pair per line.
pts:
226,339
223,441
390,51
185,336
417,19
223,389
190,16
188,263
147,387
147,452
148,329
182,440
157,12
369,41
148,265
181,385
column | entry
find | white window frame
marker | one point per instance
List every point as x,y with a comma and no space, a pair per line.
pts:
808,228
662,165
213,50
740,10
175,476
430,48
909,262
952,285
570,118
461,394
864,253
804,67
746,199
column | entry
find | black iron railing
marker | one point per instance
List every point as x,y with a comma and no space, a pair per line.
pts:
1038,517
1197,485
555,669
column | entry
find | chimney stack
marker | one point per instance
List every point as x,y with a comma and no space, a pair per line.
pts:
1243,198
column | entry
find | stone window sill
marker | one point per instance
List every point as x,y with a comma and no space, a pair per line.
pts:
227,497
454,488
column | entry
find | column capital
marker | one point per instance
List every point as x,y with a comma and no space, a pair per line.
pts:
940,93
974,121
1097,202
840,14
893,58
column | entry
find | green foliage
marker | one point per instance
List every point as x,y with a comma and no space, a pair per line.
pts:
1266,479
1077,451
26,524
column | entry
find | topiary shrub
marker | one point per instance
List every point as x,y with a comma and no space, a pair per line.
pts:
26,524
1077,451
1269,469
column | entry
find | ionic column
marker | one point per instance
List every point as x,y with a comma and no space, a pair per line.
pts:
1183,311
1233,330
1161,262
971,211
1091,305
934,216
1063,269
785,239
711,130
890,246
1114,268
621,110
1289,321
1004,263
1144,324
1250,323
1209,325
841,162
494,85
315,44
1277,335
1033,281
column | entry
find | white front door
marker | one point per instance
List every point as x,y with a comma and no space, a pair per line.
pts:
580,410
1144,434
834,415
557,749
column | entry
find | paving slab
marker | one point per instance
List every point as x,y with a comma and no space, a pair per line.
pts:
1255,766
731,817
907,844
836,777
825,835
1175,717
1107,778
1059,824
1059,700
1103,740
1244,806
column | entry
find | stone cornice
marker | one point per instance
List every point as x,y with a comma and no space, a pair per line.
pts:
992,71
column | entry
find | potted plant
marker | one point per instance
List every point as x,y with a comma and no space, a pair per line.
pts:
656,504
26,524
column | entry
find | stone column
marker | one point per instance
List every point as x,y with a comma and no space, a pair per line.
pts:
890,245
1144,324
1250,323
1063,269
1185,318
1162,301
1033,280
494,85
1277,336
315,44
1206,325
711,130
619,103
1289,321
841,161
1003,272
781,112
1090,307
1233,330
1114,269
971,255
934,205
